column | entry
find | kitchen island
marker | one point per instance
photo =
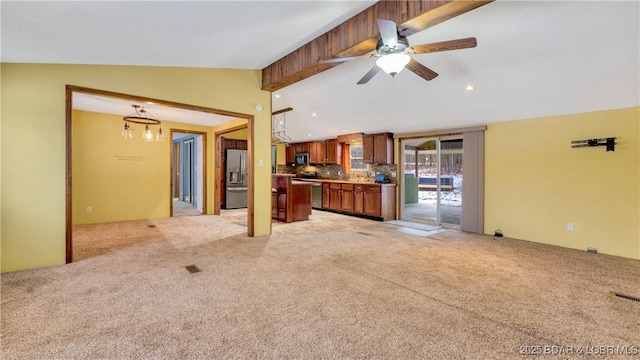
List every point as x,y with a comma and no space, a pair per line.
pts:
290,198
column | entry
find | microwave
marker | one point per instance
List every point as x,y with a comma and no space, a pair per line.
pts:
302,158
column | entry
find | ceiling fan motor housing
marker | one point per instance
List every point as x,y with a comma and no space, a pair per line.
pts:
383,49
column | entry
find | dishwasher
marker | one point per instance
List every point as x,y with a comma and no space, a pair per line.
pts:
316,195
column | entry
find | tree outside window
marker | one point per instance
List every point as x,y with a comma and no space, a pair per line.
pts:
357,160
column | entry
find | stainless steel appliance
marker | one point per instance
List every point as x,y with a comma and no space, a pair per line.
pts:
316,195
236,179
302,158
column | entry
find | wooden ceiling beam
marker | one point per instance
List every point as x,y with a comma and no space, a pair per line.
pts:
359,35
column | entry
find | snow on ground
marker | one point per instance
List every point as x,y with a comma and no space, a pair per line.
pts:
451,198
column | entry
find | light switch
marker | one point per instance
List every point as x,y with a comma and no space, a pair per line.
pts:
260,162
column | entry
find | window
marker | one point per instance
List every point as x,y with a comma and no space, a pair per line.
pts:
357,159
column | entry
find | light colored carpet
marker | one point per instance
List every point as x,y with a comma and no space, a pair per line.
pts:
331,287
413,225
181,208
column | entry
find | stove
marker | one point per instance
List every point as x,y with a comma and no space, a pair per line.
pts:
309,174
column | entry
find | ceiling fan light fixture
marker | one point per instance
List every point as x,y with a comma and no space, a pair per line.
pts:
393,63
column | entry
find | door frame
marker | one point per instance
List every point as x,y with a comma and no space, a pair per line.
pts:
438,140
218,188
203,151
70,89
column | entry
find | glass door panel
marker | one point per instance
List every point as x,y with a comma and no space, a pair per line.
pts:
450,180
432,180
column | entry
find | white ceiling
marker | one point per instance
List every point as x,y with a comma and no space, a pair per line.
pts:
534,58
115,106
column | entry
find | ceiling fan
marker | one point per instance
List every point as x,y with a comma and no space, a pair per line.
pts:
393,49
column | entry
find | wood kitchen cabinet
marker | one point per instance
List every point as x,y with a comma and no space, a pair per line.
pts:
301,147
369,200
234,144
335,198
334,151
290,154
326,196
372,200
358,199
379,201
377,148
317,152
346,197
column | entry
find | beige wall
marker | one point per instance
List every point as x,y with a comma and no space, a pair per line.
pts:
33,142
535,183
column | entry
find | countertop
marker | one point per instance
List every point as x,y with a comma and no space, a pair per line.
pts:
342,181
298,182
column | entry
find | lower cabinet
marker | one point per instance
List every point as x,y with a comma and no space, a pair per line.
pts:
372,200
346,197
358,199
335,196
326,196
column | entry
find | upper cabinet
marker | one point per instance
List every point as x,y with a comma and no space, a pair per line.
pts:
290,153
334,152
317,152
377,148
302,147
234,144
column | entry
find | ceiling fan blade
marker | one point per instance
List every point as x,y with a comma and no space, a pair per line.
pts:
342,59
388,32
365,79
444,46
421,70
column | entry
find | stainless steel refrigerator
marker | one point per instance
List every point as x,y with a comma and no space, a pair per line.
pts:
236,179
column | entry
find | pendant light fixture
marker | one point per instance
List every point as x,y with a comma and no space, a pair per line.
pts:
141,116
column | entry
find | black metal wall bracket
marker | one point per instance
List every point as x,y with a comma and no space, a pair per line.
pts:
610,143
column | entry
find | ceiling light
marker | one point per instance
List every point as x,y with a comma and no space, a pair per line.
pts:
141,116
277,96
470,87
393,63
309,135
314,114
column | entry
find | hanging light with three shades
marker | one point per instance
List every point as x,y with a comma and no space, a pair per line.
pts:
143,117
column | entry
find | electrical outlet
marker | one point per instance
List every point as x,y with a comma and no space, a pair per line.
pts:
570,227
88,210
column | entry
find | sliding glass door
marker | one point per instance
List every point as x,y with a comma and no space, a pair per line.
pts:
432,180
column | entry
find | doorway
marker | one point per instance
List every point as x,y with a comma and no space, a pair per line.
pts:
69,106
432,181
188,172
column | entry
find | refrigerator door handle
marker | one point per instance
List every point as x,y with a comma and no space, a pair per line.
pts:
243,167
241,164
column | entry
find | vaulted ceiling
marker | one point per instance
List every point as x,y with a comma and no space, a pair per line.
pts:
534,58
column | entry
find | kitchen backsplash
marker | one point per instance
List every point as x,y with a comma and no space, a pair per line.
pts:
335,172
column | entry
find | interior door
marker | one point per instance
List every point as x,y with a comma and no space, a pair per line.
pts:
187,171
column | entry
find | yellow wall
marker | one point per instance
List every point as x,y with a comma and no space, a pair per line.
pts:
237,134
281,154
124,179
33,141
535,183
